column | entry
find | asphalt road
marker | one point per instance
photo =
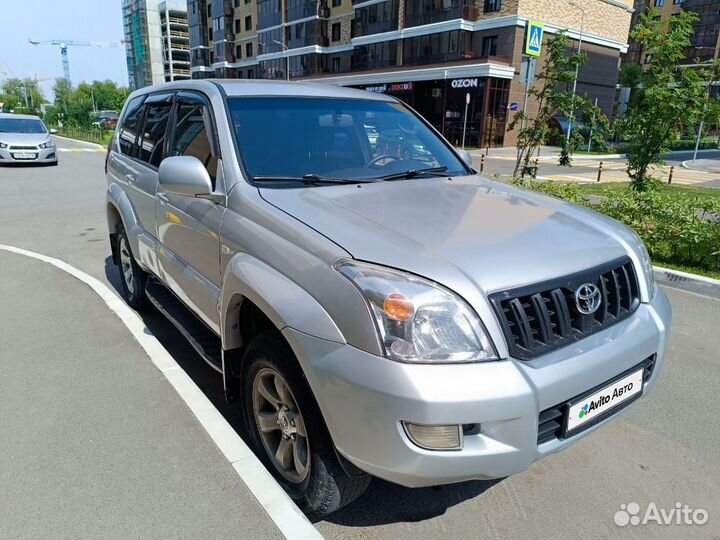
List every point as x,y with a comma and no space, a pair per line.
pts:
664,450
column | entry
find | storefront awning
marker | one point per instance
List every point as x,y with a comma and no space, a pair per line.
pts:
484,69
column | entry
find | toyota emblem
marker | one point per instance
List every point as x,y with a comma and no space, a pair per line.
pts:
588,298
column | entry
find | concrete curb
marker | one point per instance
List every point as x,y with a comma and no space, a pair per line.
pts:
686,281
94,145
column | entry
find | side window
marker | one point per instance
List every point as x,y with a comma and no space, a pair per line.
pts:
153,137
129,126
192,137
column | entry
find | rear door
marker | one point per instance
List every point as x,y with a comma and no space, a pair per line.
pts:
188,227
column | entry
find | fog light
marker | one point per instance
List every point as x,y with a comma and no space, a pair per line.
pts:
447,437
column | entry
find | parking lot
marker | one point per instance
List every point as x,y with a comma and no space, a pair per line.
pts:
99,445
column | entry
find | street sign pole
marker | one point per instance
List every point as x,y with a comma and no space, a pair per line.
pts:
533,48
467,102
529,79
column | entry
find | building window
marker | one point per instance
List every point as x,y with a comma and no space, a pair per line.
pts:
336,3
212,57
237,3
659,3
248,50
209,10
489,46
210,34
492,5
678,2
336,32
251,74
238,52
237,26
248,23
247,2
336,65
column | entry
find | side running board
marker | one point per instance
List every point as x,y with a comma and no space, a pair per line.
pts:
203,340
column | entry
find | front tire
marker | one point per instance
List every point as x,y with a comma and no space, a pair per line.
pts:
132,277
288,433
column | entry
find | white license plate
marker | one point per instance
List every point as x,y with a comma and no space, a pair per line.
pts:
24,155
590,407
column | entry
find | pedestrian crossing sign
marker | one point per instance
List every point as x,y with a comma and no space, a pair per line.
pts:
533,41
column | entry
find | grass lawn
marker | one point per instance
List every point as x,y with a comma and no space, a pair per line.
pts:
677,190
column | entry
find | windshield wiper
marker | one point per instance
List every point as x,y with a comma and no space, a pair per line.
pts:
412,173
311,178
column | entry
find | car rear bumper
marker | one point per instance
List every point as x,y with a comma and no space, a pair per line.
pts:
365,399
44,155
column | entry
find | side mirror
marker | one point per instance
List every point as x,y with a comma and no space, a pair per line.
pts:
465,156
184,175
53,131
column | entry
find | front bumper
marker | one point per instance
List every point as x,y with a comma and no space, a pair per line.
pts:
364,399
43,155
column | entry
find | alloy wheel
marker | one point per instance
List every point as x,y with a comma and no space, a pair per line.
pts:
281,425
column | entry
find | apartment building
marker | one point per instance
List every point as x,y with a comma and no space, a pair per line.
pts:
706,41
429,53
175,40
157,42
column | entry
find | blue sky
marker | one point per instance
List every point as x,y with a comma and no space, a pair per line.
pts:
81,20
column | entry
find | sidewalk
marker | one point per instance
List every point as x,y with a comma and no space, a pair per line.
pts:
95,442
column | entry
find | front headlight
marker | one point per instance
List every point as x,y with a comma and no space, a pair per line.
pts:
48,144
3,145
418,320
647,267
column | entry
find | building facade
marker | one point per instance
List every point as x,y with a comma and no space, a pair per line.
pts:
175,40
706,41
431,54
157,41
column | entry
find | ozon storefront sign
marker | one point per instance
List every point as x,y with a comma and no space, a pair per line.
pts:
464,83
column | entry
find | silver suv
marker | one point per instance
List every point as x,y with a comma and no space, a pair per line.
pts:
374,313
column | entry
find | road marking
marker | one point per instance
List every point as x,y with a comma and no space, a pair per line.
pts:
282,511
688,292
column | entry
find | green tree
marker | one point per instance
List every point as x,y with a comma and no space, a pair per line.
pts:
598,125
551,96
22,95
670,94
73,107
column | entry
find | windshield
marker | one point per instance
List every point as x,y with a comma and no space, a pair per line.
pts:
21,125
335,138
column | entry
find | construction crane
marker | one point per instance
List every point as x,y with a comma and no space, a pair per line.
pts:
64,44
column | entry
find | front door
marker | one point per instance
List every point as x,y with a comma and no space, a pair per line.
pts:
188,227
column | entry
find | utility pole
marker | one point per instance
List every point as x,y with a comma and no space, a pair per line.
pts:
287,58
467,102
577,69
699,133
592,126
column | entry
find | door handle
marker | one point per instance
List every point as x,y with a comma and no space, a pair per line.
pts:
130,178
162,197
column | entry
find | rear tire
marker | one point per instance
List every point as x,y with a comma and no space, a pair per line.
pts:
132,277
318,484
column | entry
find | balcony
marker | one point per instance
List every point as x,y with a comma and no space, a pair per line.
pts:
470,13
308,8
308,41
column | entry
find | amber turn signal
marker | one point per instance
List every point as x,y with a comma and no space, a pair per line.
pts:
398,307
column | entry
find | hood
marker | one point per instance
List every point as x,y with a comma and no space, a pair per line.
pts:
497,235
21,139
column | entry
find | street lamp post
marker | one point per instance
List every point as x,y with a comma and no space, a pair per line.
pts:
577,69
287,58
